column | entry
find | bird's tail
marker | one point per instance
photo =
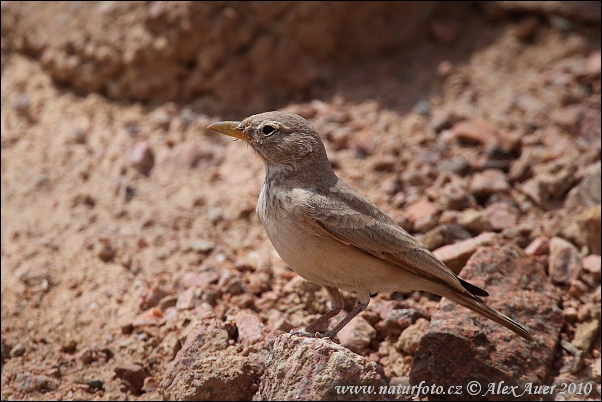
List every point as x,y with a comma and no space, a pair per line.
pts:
479,306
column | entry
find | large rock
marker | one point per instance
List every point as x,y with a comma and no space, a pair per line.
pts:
461,346
206,368
299,368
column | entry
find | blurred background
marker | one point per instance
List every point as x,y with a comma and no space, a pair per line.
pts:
126,223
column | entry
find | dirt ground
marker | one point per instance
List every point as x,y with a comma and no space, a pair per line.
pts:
123,222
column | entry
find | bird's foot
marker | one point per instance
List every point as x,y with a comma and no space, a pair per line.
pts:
317,335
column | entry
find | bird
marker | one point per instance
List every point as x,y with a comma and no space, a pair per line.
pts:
331,235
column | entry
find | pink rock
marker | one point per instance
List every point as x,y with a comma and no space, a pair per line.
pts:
140,156
591,264
501,216
475,132
410,338
206,369
299,368
456,255
539,246
487,183
357,335
422,215
250,328
461,346
567,116
565,261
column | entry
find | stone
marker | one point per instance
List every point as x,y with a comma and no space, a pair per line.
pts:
357,335
501,216
461,346
487,183
551,181
582,206
410,338
397,320
206,368
539,246
456,255
250,328
444,234
421,214
132,374
141,157
475,220
300,368
565,261
586,335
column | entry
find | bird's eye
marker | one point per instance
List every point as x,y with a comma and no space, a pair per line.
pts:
268,130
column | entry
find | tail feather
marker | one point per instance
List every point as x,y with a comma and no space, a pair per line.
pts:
479,306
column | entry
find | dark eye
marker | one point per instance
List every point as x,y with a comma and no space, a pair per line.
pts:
268,130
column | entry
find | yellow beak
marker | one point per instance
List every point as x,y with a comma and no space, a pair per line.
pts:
231,128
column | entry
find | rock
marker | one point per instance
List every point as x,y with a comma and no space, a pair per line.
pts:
397,320
457,254
454,196
207,369
410,338
565,261
141,157
489,182
200,246
461,346
475,220
357,335
202,279
458,165
473,132
32,383
444,234
132,374
567,117
591,265
501,216
186,299
17,350
299,368
422,214
586,335
154,296
105,250
539,246
582,206
250,328
551,181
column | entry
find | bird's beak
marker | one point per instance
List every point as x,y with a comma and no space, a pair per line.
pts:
231,128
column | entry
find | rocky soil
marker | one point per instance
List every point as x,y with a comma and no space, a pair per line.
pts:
134,266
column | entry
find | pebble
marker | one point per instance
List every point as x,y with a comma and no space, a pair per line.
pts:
487,183
564,262
199,245
132,374
17,350
357,335
410,338
474,220
539,246
586,334
141,157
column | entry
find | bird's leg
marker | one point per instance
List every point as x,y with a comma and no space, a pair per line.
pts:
362,303
337,305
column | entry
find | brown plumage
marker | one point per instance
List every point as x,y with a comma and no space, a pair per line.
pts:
333,236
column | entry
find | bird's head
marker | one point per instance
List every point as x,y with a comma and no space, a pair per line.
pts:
279,138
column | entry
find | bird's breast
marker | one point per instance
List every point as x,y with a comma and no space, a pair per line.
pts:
311,252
